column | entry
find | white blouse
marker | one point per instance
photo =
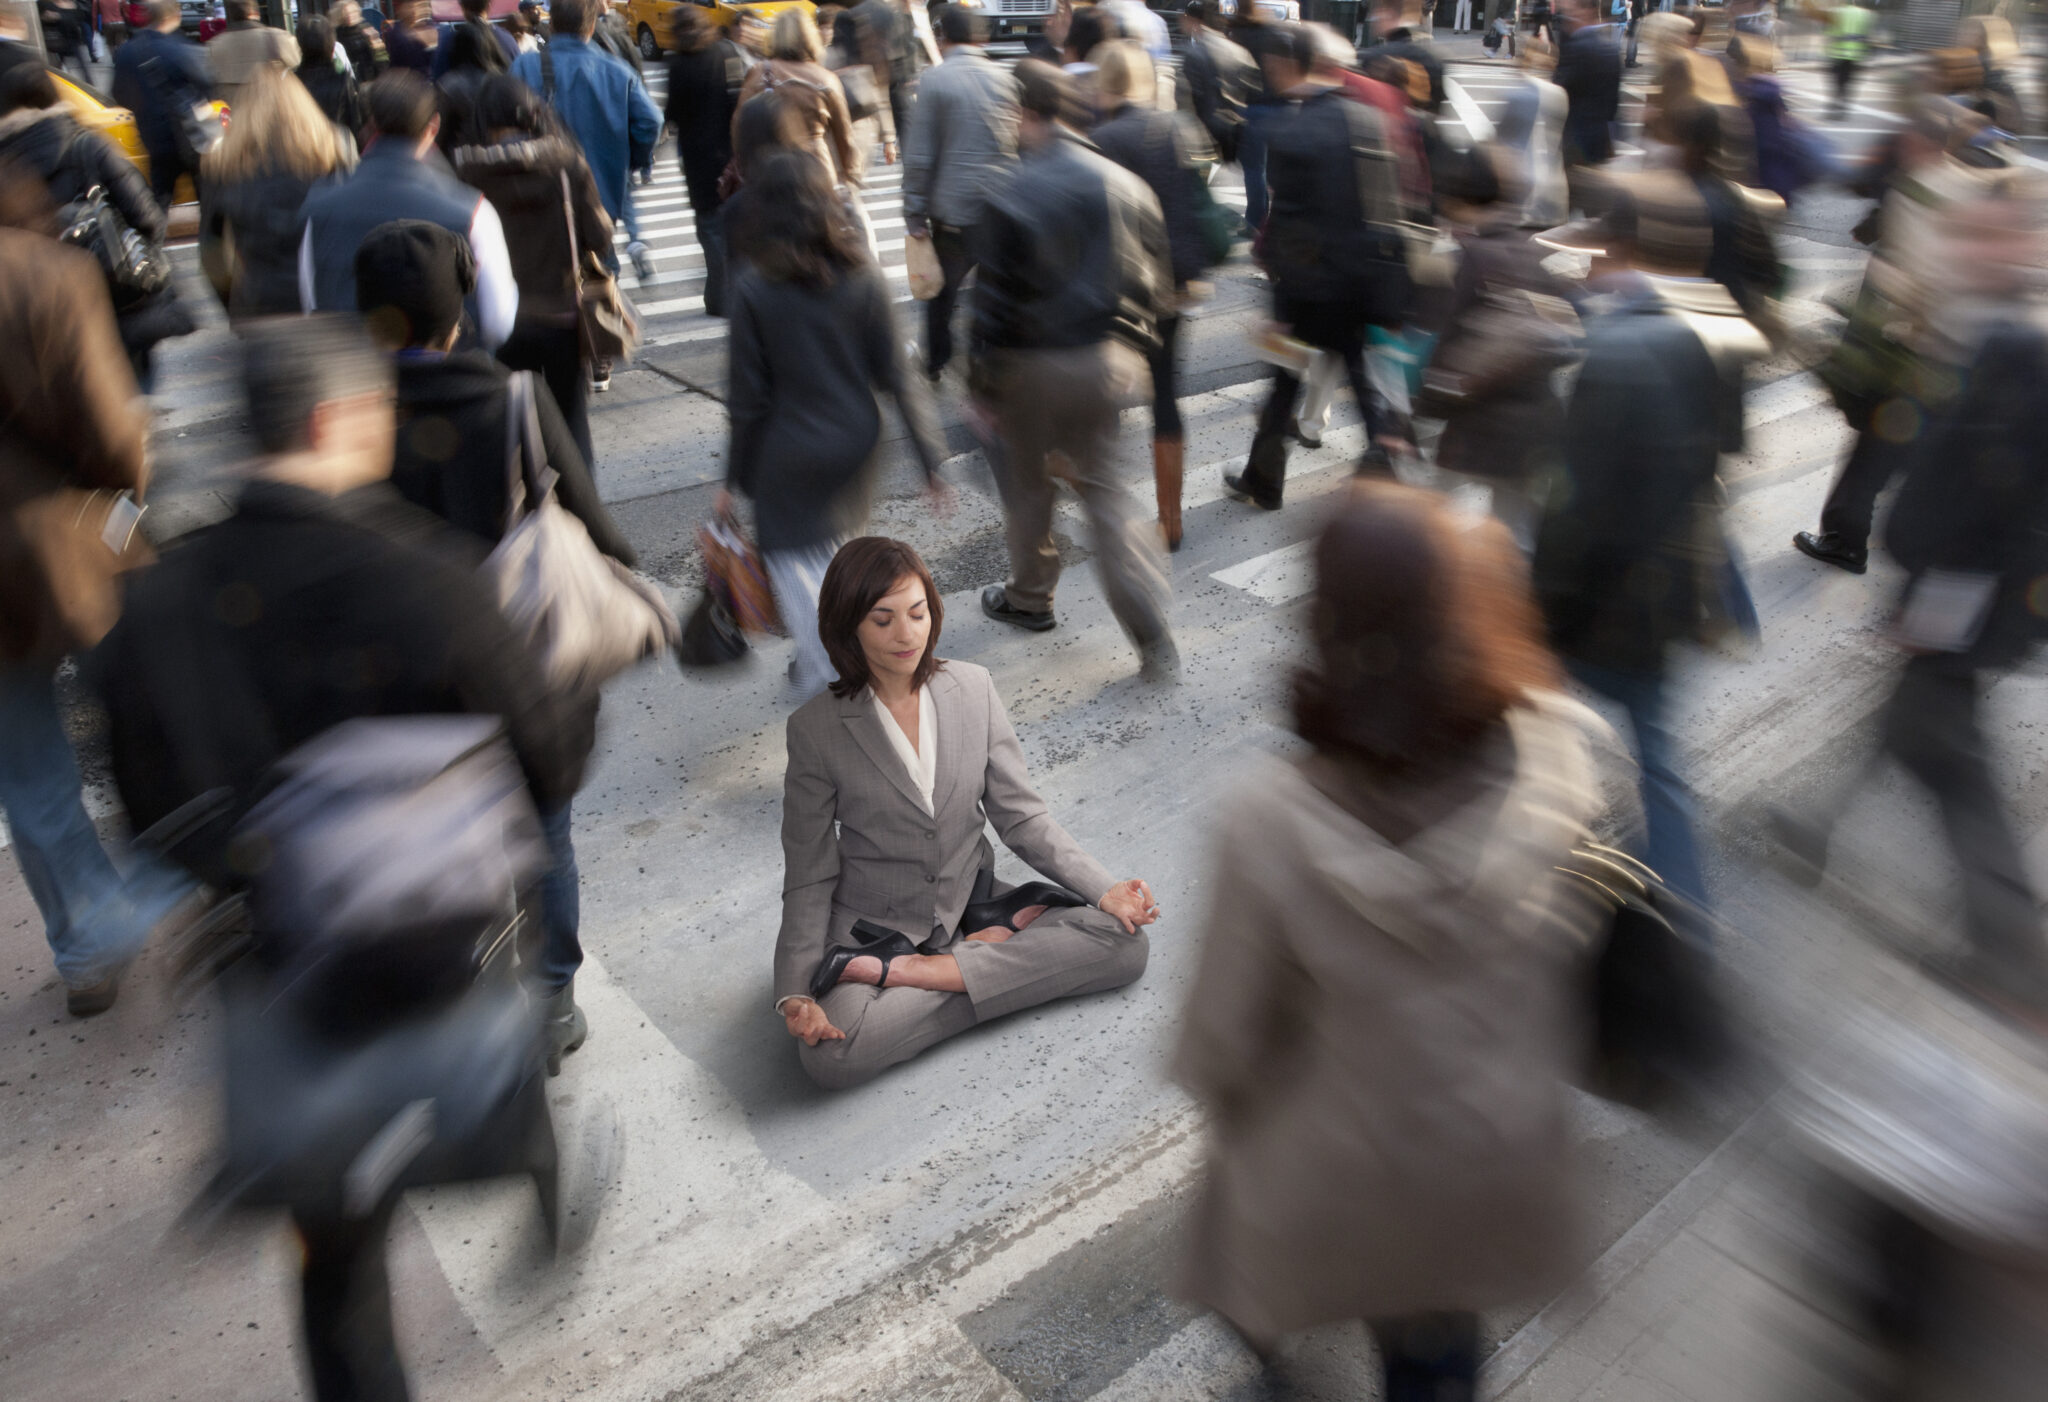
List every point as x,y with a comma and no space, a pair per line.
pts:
921,761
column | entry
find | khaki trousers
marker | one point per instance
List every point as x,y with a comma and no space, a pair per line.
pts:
1067,401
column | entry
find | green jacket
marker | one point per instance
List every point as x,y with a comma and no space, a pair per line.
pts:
1849,28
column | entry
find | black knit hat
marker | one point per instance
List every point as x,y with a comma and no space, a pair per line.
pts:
411,279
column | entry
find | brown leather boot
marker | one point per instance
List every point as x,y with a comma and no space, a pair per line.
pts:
1166,472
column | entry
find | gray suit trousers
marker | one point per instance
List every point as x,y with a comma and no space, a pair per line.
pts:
1066,401
1062,953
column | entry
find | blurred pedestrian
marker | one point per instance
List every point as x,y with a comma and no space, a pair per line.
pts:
1217,77
887,40
529,169
1334,251
360,43
1532,126
606,108
1892,366
812,103
155,73
474,58
1969,526
280,146
813,344
1387,1000
37,129
1075,275
76,425
613,38
246,47
893,780
1619,565
1402,35
398,179
327,76
329,567
1990,38
704,81
1850,26
449,459
1267,43
476,15
411,35
1509,331
1146,141
962,140
1589,71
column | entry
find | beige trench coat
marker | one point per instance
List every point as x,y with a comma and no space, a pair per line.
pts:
1380,1033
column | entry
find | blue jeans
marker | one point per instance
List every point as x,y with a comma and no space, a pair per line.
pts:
1251,159
561,906
1672,849
95,919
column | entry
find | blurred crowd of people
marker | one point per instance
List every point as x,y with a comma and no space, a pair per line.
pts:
411,229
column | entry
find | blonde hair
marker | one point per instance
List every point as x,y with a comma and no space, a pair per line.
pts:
795,37
1125,74
276,129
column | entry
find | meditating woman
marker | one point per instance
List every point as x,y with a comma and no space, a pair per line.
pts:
895,933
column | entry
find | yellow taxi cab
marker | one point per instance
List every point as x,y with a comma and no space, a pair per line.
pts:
117,125
652,22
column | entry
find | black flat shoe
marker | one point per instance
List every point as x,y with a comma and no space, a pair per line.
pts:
1829,549
995,602
981,915
1234,483
886,948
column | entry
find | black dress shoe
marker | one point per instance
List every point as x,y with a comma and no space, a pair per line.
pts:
1234,483
995,602
1830,549
981,915
887,947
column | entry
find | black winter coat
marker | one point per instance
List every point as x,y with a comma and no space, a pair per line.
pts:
703,94
298,612
451,453
1975,496
336,94
1332,271
807,364
1617,567
1148,143
261,218
71,160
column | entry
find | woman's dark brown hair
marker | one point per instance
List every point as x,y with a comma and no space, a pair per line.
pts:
1425,631
792,223
860,575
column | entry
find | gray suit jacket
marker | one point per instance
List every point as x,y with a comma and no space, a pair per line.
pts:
963,135
857,843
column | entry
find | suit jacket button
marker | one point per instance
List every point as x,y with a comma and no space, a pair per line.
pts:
930,879
929,836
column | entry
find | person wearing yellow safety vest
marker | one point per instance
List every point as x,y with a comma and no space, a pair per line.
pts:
1849,28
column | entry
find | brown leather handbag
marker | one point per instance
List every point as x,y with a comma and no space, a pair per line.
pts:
608,323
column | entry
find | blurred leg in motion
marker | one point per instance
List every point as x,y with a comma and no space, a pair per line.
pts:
951,246
1167,461
1318,393
796,576
95,922
1670,847
1931,728
557,353
346,1294
1429,1357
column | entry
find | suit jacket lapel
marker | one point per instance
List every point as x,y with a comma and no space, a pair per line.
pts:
858,712
950,707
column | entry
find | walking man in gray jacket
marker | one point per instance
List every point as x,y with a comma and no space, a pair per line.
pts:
963,134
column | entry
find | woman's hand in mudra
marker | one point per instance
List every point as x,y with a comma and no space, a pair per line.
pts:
1131,903
807,1020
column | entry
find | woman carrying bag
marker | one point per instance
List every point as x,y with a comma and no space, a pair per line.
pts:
535,176
813,342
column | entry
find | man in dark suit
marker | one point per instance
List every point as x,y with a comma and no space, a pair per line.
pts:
155,73
1589,71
